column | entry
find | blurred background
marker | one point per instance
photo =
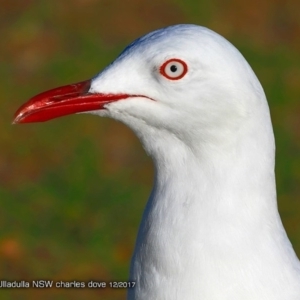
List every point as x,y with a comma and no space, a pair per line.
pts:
72,190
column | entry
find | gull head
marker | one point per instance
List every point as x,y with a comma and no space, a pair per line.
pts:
183,82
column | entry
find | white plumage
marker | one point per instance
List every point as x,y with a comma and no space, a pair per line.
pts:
211,228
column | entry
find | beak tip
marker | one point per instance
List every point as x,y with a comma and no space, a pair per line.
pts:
17,119
54,103
14,121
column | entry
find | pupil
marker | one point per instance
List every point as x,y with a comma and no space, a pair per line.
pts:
173,68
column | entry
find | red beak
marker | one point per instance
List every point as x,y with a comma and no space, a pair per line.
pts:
65,100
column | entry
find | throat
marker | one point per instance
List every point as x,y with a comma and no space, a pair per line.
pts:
203,212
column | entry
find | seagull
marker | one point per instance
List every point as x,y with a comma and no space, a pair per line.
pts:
211,228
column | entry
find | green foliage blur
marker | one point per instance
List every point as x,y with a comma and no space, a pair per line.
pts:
72,190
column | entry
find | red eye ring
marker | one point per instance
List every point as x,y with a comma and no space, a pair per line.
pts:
173,69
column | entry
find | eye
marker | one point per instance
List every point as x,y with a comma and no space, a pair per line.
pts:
173,69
